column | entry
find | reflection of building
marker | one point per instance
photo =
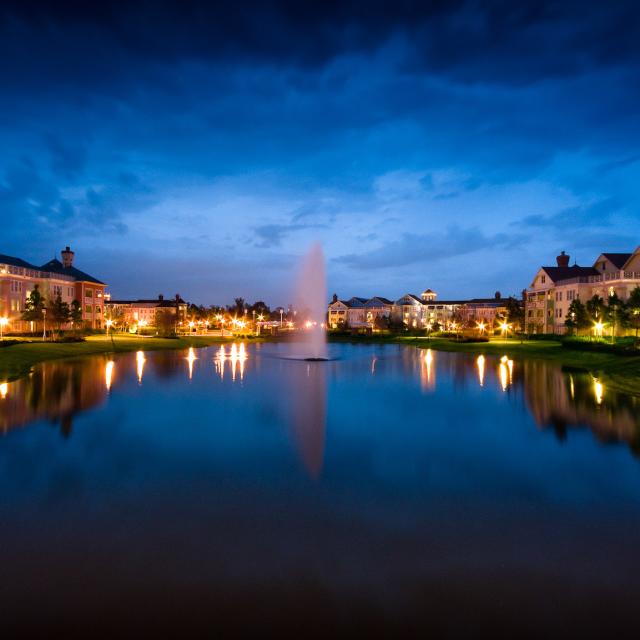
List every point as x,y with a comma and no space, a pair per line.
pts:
18,278
554,288
564,401
134,313
55,391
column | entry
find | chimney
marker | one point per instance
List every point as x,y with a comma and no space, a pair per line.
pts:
160,297
498,295
562,259
335,297
67,257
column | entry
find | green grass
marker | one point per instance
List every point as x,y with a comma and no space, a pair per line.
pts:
621,373
17,360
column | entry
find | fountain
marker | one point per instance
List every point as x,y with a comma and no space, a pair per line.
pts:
311,299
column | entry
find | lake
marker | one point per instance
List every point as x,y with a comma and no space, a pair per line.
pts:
391,488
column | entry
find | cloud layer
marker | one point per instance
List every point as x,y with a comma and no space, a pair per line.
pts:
416,142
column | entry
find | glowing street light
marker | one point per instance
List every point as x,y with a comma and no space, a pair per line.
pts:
481,327
504,327
109,324
4,321
4,389
598,327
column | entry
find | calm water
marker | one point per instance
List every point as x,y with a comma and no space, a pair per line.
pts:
390,488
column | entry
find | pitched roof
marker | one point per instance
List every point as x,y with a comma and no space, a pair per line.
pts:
55,266
16,262
618,259
377,300
356,301
565,273
157,301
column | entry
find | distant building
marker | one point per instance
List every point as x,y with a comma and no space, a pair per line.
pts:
132,314
415,312
554,288
18,279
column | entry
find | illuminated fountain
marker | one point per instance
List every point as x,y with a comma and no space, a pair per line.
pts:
311,298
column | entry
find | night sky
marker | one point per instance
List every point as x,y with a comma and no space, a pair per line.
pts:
201,149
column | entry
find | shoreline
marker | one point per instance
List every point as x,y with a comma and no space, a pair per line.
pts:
620,373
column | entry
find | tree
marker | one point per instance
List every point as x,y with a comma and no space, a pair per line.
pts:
577,317
75,314
58,312
596,308
237,307
633,308
515,313
615,313
34,306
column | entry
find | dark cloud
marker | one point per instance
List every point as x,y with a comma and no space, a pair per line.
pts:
597,213
67,160
413,249
272,235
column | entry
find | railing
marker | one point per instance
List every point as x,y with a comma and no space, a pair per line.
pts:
615,275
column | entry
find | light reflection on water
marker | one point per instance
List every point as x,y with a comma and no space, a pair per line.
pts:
386,467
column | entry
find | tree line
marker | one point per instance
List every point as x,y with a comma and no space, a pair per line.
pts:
58,312
614,313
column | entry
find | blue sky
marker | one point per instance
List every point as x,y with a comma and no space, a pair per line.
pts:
201,148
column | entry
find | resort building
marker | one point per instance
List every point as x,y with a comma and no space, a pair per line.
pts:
415,312
18,279
130,315
347,313
554,288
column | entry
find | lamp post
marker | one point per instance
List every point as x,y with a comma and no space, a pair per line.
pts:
44,324
281,312
4,321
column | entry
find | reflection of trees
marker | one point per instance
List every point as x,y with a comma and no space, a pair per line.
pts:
55,391
564,400
165,363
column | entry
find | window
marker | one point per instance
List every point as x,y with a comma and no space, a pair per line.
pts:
89,293
87,308
543,279
98,309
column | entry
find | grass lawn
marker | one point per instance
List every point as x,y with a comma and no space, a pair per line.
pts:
17,360
621,373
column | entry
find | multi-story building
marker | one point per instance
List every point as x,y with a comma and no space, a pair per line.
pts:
347,313
18,279
131,314
554,288
415,312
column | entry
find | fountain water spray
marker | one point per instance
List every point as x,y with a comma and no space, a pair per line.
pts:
311,300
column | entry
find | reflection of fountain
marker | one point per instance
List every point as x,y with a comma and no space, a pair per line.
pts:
311,300
308,402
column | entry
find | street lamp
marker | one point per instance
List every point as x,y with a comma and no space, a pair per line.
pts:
505,329
44,324
4,321
109,324
281,312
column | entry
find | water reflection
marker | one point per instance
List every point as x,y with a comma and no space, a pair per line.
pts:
58,391
236,358
191,358
307,385
480,365
108,374
140,365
